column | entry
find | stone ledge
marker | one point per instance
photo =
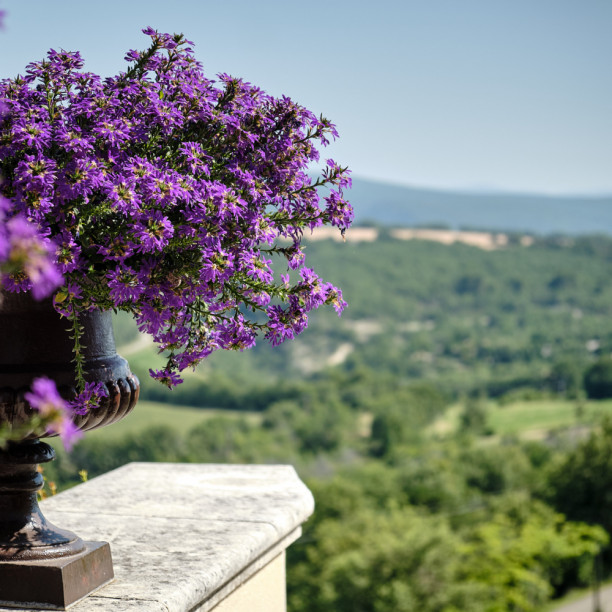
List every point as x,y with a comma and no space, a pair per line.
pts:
183,536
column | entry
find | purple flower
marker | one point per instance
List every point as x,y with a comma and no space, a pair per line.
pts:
166,377
89,398
124,285
45,396
28,251
68,432
338,210
334,297
26,257
153,231
55,413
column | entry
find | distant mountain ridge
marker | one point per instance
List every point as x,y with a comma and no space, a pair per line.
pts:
539,214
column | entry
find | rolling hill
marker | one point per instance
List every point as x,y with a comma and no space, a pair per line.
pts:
389,204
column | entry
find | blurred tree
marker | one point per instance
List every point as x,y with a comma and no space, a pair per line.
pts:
566,377
473,418
580,483
496,469
598,379
526,553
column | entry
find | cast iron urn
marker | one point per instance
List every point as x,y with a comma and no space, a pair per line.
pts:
41,565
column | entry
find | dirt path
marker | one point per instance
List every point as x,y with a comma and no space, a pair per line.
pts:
586,603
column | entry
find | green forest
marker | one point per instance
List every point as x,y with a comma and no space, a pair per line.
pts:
455,425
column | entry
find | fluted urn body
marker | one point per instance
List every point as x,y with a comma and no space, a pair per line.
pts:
35,341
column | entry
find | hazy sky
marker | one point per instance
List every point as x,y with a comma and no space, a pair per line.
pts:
505,94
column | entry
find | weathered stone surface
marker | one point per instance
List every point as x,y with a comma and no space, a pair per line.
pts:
183,535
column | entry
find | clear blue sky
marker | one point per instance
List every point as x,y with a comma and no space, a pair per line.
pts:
505,94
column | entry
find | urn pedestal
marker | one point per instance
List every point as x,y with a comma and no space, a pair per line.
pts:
41,565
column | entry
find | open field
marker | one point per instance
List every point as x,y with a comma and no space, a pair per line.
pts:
180,418
482,240
530,419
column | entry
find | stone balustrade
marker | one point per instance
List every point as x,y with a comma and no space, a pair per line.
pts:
188,537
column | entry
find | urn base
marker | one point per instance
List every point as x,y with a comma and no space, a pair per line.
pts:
55,584
41,566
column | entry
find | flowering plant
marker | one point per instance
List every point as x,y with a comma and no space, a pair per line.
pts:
168,195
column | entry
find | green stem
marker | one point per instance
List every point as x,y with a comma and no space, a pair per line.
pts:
77,350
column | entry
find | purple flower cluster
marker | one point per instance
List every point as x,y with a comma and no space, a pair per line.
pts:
171,196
